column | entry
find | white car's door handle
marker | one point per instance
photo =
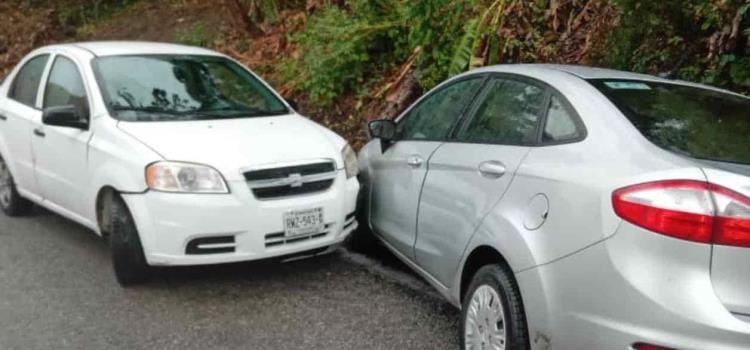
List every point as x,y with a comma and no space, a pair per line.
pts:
39,132
492,169
3,117
414,161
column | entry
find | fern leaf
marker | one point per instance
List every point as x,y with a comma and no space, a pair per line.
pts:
464,50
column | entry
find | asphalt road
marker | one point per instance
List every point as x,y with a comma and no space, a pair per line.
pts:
57,291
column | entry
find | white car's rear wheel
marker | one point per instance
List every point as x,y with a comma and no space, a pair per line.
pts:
493,316
11,203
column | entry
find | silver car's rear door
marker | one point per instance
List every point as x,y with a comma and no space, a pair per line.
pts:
467,176
730,264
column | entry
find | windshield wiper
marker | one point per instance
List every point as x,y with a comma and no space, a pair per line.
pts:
237,113
145,109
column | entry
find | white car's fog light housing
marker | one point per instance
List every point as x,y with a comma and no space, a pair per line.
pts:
350,161
184,178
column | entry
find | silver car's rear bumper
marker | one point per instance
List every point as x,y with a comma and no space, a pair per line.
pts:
635,287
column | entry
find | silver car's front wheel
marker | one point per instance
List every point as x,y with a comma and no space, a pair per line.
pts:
493,314
485,321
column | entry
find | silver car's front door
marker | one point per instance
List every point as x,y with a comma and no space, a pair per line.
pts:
397,180
468,177
399,171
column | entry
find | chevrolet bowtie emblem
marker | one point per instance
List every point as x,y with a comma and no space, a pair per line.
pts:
295,180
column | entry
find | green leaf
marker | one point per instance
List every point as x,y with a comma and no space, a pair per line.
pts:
463,52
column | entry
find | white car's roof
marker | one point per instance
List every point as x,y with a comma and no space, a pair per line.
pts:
118,48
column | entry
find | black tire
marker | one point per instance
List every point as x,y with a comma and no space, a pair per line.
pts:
11,202
502,281
362,239
127,252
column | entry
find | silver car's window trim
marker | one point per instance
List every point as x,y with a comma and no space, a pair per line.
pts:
459,137
449,135
580,126
549,92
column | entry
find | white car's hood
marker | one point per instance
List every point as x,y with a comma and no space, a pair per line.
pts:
231,145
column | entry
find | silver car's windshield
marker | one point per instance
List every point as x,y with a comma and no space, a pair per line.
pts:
180,87
697,122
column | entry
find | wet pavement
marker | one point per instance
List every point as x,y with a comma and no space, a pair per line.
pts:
57,291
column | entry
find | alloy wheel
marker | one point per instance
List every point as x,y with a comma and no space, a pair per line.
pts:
485,321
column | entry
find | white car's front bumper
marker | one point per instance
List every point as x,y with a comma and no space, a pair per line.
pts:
169,222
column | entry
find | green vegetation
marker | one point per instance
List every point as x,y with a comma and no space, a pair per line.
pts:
698,40
347,45
195,35
86,14
344,46
346,60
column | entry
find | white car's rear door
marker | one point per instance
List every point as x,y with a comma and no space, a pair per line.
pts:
19,108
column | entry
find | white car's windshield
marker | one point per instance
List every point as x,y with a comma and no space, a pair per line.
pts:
180,87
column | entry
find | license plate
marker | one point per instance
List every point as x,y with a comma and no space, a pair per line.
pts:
303,222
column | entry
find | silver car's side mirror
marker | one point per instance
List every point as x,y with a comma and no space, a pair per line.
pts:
383,129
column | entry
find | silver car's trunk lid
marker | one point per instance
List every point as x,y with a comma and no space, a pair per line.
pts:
730,266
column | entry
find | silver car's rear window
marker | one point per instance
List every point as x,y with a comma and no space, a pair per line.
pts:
697,122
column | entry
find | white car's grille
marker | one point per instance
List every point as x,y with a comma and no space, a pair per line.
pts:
291,180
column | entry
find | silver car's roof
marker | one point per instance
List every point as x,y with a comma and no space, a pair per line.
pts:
583,72
586,73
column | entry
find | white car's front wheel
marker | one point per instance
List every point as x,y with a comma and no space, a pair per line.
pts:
127,252
492,315
11,203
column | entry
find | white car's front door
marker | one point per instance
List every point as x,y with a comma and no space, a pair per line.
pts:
61,151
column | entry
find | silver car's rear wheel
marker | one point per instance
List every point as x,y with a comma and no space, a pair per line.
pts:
485,321
492,313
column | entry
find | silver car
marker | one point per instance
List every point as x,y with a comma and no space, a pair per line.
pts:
565,207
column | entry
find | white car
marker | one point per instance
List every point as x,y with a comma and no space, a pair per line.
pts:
179,155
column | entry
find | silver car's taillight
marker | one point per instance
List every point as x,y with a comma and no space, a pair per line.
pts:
687,209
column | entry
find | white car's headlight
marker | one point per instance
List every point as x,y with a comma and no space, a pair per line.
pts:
184,178
350,161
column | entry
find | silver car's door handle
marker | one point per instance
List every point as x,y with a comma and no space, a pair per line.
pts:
492,169
414,161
